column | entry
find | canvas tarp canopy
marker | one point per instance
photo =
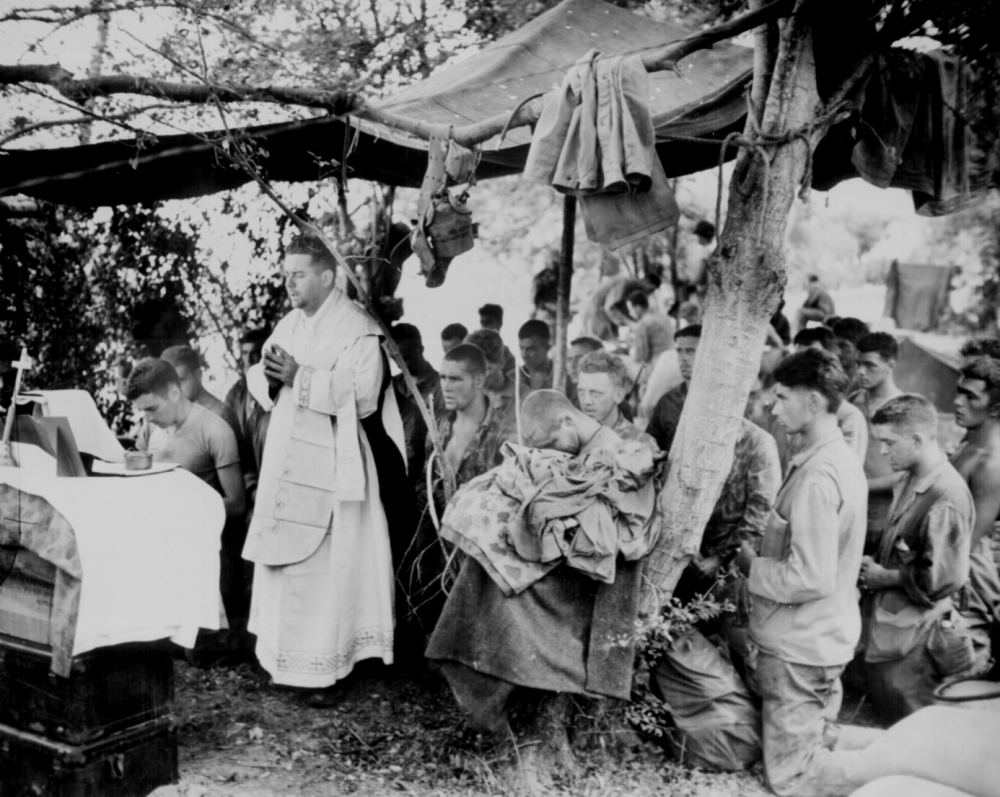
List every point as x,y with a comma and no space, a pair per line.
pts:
912,110
707,100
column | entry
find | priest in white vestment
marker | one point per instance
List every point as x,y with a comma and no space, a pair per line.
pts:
323,579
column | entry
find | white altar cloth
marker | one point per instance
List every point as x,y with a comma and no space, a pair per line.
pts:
148,549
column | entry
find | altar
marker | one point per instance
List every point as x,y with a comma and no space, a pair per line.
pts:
131,559
100,568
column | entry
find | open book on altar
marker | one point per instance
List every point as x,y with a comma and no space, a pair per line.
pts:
63,425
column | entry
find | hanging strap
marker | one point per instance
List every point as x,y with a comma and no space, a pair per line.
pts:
434,177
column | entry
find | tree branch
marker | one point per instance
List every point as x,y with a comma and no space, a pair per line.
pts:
665,60
61,16
338,102
93,117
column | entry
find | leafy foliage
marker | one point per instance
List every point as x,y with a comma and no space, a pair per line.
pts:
647,713
86,291
674,622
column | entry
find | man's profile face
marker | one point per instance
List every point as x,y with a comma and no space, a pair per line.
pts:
972,401
898,446
488,322
848,354
307,287
190,381
687,347
159,410
758,402
791,408
534,353
449,343
873,370
250,353
458,386
598,395
573,356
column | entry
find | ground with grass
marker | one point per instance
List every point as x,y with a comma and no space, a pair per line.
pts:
391,734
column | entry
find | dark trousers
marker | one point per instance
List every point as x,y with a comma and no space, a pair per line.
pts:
235,573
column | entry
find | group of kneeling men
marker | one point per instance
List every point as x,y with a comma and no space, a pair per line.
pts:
839,491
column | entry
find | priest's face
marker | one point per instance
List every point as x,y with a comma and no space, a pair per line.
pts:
459,387
307,285
160,409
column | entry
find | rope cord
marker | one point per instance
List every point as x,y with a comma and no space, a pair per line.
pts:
759,142
345,153
510,118
430,490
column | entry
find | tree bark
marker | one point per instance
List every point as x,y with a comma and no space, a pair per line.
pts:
765,52
746,279
337,102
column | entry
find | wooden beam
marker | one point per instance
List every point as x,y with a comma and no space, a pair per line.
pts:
563,285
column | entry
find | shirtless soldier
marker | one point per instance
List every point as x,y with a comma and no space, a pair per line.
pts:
471,431
977,410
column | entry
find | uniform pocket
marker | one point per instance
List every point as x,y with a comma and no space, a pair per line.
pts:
893,634
775,544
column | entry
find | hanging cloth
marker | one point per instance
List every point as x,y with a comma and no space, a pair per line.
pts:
595,139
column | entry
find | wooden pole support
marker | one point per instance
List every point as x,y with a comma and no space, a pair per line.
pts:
563,285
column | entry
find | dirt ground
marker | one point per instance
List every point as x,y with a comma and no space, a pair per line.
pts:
391,734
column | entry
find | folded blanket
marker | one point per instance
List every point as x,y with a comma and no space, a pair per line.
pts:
541,508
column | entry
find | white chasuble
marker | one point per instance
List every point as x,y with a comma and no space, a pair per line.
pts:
323,581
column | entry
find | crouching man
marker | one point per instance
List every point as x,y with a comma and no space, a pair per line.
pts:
498,651
805,621
916,637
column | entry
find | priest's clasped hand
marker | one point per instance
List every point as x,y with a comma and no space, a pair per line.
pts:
279,365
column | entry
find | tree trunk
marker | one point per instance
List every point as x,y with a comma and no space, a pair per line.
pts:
746,280
765,51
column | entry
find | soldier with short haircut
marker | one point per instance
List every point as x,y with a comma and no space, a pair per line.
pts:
602,385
